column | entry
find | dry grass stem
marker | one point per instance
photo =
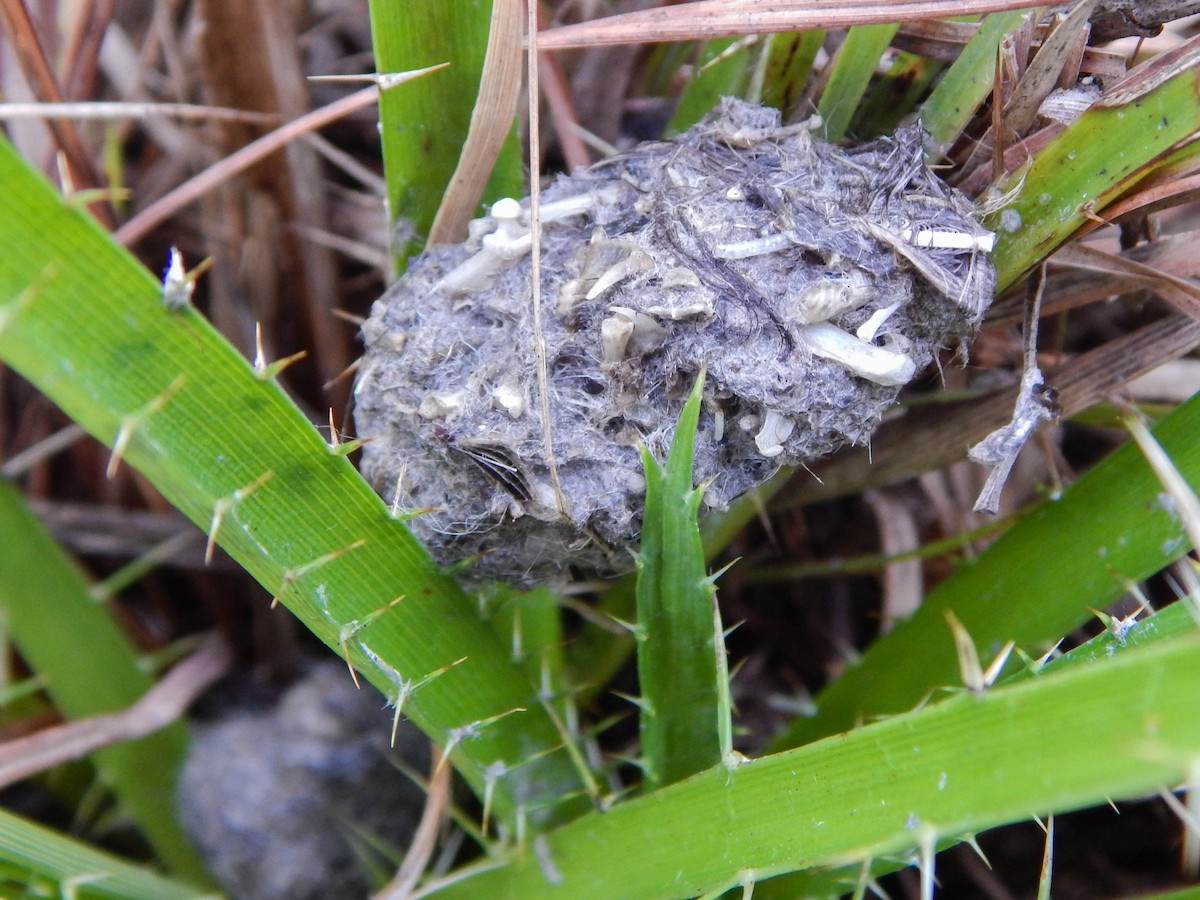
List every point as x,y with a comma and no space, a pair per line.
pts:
416,860
491,121
710,19
160,706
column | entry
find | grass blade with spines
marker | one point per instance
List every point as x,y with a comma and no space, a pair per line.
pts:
1039,581
1115,729
38,862
89,667
422,127
1163,627
84,322
681,666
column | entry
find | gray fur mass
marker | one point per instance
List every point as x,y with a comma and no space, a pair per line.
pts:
808,282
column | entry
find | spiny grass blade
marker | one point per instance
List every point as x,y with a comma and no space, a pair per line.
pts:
684,683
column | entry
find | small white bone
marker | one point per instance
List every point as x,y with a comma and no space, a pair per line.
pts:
647,333
680,277
776,429
566,208
510,241
830,297
862,359
509,396
697,309
636,261
950,240
615,332
868,329
441,404
771,243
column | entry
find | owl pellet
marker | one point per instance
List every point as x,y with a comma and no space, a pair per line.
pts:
810,282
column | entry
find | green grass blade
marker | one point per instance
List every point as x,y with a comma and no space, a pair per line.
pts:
38,862
1036,583
90,667
789,63
684,700
1079,171
1112,730
84,322
895,95
716,76
1173,622
851,72
530,623
1168,625
968,81
423,125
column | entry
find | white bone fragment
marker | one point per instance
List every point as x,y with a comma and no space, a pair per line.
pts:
570,292
771,243
647,333
828,298
507,213
679,277
950,240
636,261
509,396
776,428
615,332
702,308
441,404
473,274
566,208
862,359
868,329
507,247
510,241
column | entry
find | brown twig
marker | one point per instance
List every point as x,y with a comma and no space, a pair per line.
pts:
728,18
491,121
562,105
416,860
40,76
169,204
157,708
92,109
91,22
930,437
